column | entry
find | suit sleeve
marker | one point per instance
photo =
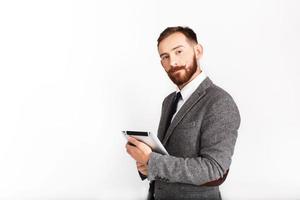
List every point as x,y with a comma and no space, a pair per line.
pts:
218,137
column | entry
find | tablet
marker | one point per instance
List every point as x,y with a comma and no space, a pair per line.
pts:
148,138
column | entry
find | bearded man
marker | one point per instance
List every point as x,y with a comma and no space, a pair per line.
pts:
198,127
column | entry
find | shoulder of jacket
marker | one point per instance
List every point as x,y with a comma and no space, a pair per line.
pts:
215,92
169,97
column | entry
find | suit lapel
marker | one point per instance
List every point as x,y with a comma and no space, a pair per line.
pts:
186,107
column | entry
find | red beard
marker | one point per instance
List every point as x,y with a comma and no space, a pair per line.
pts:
189,71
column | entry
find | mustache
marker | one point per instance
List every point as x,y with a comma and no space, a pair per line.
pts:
174,69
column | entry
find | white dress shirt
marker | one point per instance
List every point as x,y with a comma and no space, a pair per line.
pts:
188,90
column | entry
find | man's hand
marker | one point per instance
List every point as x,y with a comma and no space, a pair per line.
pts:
143,168
139,152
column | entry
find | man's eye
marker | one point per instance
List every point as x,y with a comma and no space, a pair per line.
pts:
179,51
164,57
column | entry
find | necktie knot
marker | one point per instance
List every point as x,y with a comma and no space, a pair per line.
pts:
177,98
174,104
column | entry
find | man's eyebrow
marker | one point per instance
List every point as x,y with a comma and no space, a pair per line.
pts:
172,49
177,47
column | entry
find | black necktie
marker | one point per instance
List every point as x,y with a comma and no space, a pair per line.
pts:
173,109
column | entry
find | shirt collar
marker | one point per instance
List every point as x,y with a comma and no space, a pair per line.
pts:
188,89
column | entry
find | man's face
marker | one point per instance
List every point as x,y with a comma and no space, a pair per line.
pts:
178,57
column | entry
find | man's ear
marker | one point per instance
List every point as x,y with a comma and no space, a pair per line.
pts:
198,49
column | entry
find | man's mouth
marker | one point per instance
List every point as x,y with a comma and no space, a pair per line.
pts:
176,69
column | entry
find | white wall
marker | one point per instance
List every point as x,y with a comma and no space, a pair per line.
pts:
75,73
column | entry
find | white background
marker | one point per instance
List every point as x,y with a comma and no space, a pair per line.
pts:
73,74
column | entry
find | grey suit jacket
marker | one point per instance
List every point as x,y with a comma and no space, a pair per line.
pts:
200,141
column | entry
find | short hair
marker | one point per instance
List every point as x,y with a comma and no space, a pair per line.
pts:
188,32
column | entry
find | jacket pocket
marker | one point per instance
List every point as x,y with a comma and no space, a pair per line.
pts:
186,125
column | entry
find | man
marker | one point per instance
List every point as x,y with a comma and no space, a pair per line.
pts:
198,127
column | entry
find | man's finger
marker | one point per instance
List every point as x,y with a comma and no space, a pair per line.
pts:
130,148
139,164
142,168
135,142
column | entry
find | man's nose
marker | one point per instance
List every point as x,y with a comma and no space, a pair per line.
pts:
173,61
